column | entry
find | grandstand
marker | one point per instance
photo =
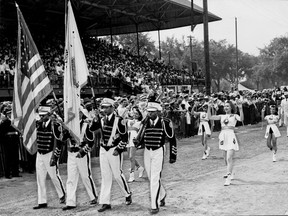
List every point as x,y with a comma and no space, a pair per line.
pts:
109,66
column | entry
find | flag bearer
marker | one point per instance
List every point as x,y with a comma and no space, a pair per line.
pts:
47,130
79,162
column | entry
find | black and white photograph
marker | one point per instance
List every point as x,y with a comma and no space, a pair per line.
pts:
143,107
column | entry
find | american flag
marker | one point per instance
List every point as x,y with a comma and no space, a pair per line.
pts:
31,85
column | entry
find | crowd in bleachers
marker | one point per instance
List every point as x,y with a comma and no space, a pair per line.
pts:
103,60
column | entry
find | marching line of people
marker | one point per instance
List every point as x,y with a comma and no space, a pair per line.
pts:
131,126
117,133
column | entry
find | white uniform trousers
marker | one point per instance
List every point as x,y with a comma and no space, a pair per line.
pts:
110,164
42,167
74,167
153,161
285,119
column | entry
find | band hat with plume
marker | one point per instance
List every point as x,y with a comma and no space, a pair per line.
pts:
43,110
107,102
154,106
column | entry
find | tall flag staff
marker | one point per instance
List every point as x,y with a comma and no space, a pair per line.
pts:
75,75
31,85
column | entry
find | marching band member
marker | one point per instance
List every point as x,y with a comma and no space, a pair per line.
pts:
227,138
152,135
114,139
133,128
123,108
284,110
47,131
272,131
204,128
79,162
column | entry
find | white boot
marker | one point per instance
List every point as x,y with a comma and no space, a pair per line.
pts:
131,178
141,171
204,155
274,157
228,180
208,151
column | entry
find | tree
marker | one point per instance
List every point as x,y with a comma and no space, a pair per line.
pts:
222,60
273,62
177,53
129,42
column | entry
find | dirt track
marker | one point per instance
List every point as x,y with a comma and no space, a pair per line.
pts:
194,187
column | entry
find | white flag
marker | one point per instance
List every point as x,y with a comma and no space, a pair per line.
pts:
75,75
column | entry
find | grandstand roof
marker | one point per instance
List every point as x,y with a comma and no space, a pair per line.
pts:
95,17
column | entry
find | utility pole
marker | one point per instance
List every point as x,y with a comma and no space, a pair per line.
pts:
206,48
191,53
236,37
191,59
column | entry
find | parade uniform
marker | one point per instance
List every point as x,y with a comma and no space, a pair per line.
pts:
284,111
227,137
153,138
45,145
114,139
79,162
204,124
133,128
272,127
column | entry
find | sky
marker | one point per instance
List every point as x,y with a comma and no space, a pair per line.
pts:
258,22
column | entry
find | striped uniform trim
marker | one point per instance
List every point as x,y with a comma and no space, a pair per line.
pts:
126,187
89,176
160,174
60,181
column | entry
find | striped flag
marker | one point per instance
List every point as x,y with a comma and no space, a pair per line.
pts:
75,75
31,85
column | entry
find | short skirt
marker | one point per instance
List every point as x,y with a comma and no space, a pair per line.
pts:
228,140
131,136
206,126
274,129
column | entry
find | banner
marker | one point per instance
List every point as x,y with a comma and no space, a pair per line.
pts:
75,75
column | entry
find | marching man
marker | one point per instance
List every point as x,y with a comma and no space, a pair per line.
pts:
47,131
284,110
153,133
79,162
113,141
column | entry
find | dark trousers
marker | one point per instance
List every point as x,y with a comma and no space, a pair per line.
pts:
11,154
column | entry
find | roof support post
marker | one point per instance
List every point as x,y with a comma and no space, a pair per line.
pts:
111,34
159,44
206,48
138,46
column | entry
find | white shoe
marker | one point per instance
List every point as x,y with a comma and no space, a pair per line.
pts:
141,171
228,180
208,152
232,176
274,157
204,156
131,178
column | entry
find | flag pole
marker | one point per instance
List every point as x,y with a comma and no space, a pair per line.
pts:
92,91
58,105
